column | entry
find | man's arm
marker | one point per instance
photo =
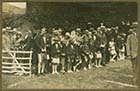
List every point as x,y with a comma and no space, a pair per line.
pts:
128,46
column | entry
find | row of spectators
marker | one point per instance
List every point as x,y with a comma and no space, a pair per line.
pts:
56,50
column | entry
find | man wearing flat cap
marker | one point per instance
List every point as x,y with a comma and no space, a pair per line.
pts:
132,46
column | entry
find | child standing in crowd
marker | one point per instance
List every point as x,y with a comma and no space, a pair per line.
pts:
63,53
55,54
77,61
85,55
122,49
98,56
70,56
112,50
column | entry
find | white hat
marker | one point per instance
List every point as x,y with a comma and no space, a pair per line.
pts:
3,29
102,26
67,34
78,28
89,22
60,30
86,31
14,29
18,32
43,29
7,27
109,29
55,32
90,33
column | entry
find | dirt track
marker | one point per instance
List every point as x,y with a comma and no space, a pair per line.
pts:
116,75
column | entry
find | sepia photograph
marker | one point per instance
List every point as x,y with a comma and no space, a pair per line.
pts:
70,45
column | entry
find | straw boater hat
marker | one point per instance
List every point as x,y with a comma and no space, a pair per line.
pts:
89,23
86,31
67,34
55,32
8,28
3,29
102,28
78,29
108,29
43,30
14,29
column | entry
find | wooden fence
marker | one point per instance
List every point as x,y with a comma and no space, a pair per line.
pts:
16,62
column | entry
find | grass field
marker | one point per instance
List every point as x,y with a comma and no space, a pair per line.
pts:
117,75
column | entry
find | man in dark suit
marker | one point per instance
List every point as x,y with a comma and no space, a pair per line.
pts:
29,44
101,43
132,46
41,49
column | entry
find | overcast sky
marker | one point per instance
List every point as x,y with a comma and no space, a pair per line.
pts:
18,4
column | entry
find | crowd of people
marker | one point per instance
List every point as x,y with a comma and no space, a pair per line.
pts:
58,51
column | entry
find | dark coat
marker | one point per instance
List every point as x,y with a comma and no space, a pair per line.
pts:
91,45
63,49
55,50
30,42
77,50
40,44
85,49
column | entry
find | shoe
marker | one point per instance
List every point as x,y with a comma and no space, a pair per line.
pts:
89,67
71,71
56,73
77,70
53,72
103,65
97,66
74,68
62,71
85,68
43,74
38,74
100,66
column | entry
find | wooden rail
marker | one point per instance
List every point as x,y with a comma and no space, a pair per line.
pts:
11,63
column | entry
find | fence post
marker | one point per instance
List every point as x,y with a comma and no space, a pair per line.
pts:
30,64
14,63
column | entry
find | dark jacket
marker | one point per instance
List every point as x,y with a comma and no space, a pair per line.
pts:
55,50
30,42
70,50
40,44
85,49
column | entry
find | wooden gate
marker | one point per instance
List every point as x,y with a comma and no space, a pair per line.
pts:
16,62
